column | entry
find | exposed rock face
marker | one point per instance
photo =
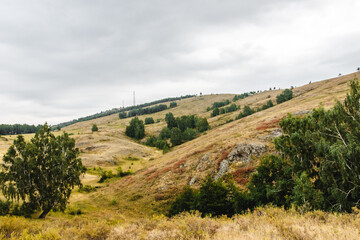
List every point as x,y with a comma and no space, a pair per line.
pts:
203,162
241,153
276,133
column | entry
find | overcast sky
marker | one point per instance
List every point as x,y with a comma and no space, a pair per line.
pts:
61,60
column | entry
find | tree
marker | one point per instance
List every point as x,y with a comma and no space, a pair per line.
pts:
136,129
122,115
176,136
202,124
41,173
170,120
94,128
173,104
149,120
189,134
286,95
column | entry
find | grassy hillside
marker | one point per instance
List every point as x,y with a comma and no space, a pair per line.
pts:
159,177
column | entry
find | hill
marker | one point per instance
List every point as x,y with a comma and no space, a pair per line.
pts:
159,176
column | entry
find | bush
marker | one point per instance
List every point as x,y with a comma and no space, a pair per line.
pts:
149,120
173,104
176,136
136,129
165,133
87,189
286,95
189,134
94,128
269,104
122,115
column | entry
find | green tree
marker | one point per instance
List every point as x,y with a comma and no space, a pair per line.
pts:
173,104
122,115
215,112
202,124
176,136
189,134
136,129
183,202
170,120
165,133
41,173
286,95
214,198
94,128
149,120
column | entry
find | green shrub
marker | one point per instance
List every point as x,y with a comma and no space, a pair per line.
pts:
286,95
122,115
136,129
173,104
149,120
94,128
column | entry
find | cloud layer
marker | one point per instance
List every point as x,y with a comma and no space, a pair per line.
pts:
61,60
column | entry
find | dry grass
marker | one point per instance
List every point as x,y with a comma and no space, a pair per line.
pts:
263,223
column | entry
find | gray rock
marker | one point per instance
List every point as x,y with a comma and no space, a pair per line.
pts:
203,162
241,153
192,180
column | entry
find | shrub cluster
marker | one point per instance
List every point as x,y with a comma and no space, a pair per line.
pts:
136,129
243,95
218,111
109,174
286,95
150,110
149,120
173,104
178,130
218,105
246,112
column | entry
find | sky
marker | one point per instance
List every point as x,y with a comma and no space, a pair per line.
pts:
61,60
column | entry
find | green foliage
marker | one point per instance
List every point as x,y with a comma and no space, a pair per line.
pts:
7,129
220,104
149,120
136,129
42,172
246,112
176,136
150,110
202,124
269,104
272,182
152,141
165,133
170,120
286,95
94,128
122,115
87,189
215,112
184,201
104,175
189,134
173,104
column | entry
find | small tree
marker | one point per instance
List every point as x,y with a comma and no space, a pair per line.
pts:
149,120
136,129
122,115
94,128
173,104
42,172
176,136
286,95
170,120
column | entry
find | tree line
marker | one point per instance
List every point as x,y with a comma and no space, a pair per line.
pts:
8,129
118,110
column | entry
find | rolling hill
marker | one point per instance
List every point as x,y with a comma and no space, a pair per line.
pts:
231,147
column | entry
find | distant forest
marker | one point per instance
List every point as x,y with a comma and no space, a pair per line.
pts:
118,110
7,129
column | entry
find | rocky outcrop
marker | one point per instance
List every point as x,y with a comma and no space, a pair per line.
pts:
241,153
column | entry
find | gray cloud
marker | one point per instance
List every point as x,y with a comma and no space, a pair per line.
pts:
61,60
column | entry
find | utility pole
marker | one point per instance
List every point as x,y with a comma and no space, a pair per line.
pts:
134,97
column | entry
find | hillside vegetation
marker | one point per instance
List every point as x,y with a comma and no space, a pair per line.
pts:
125,205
